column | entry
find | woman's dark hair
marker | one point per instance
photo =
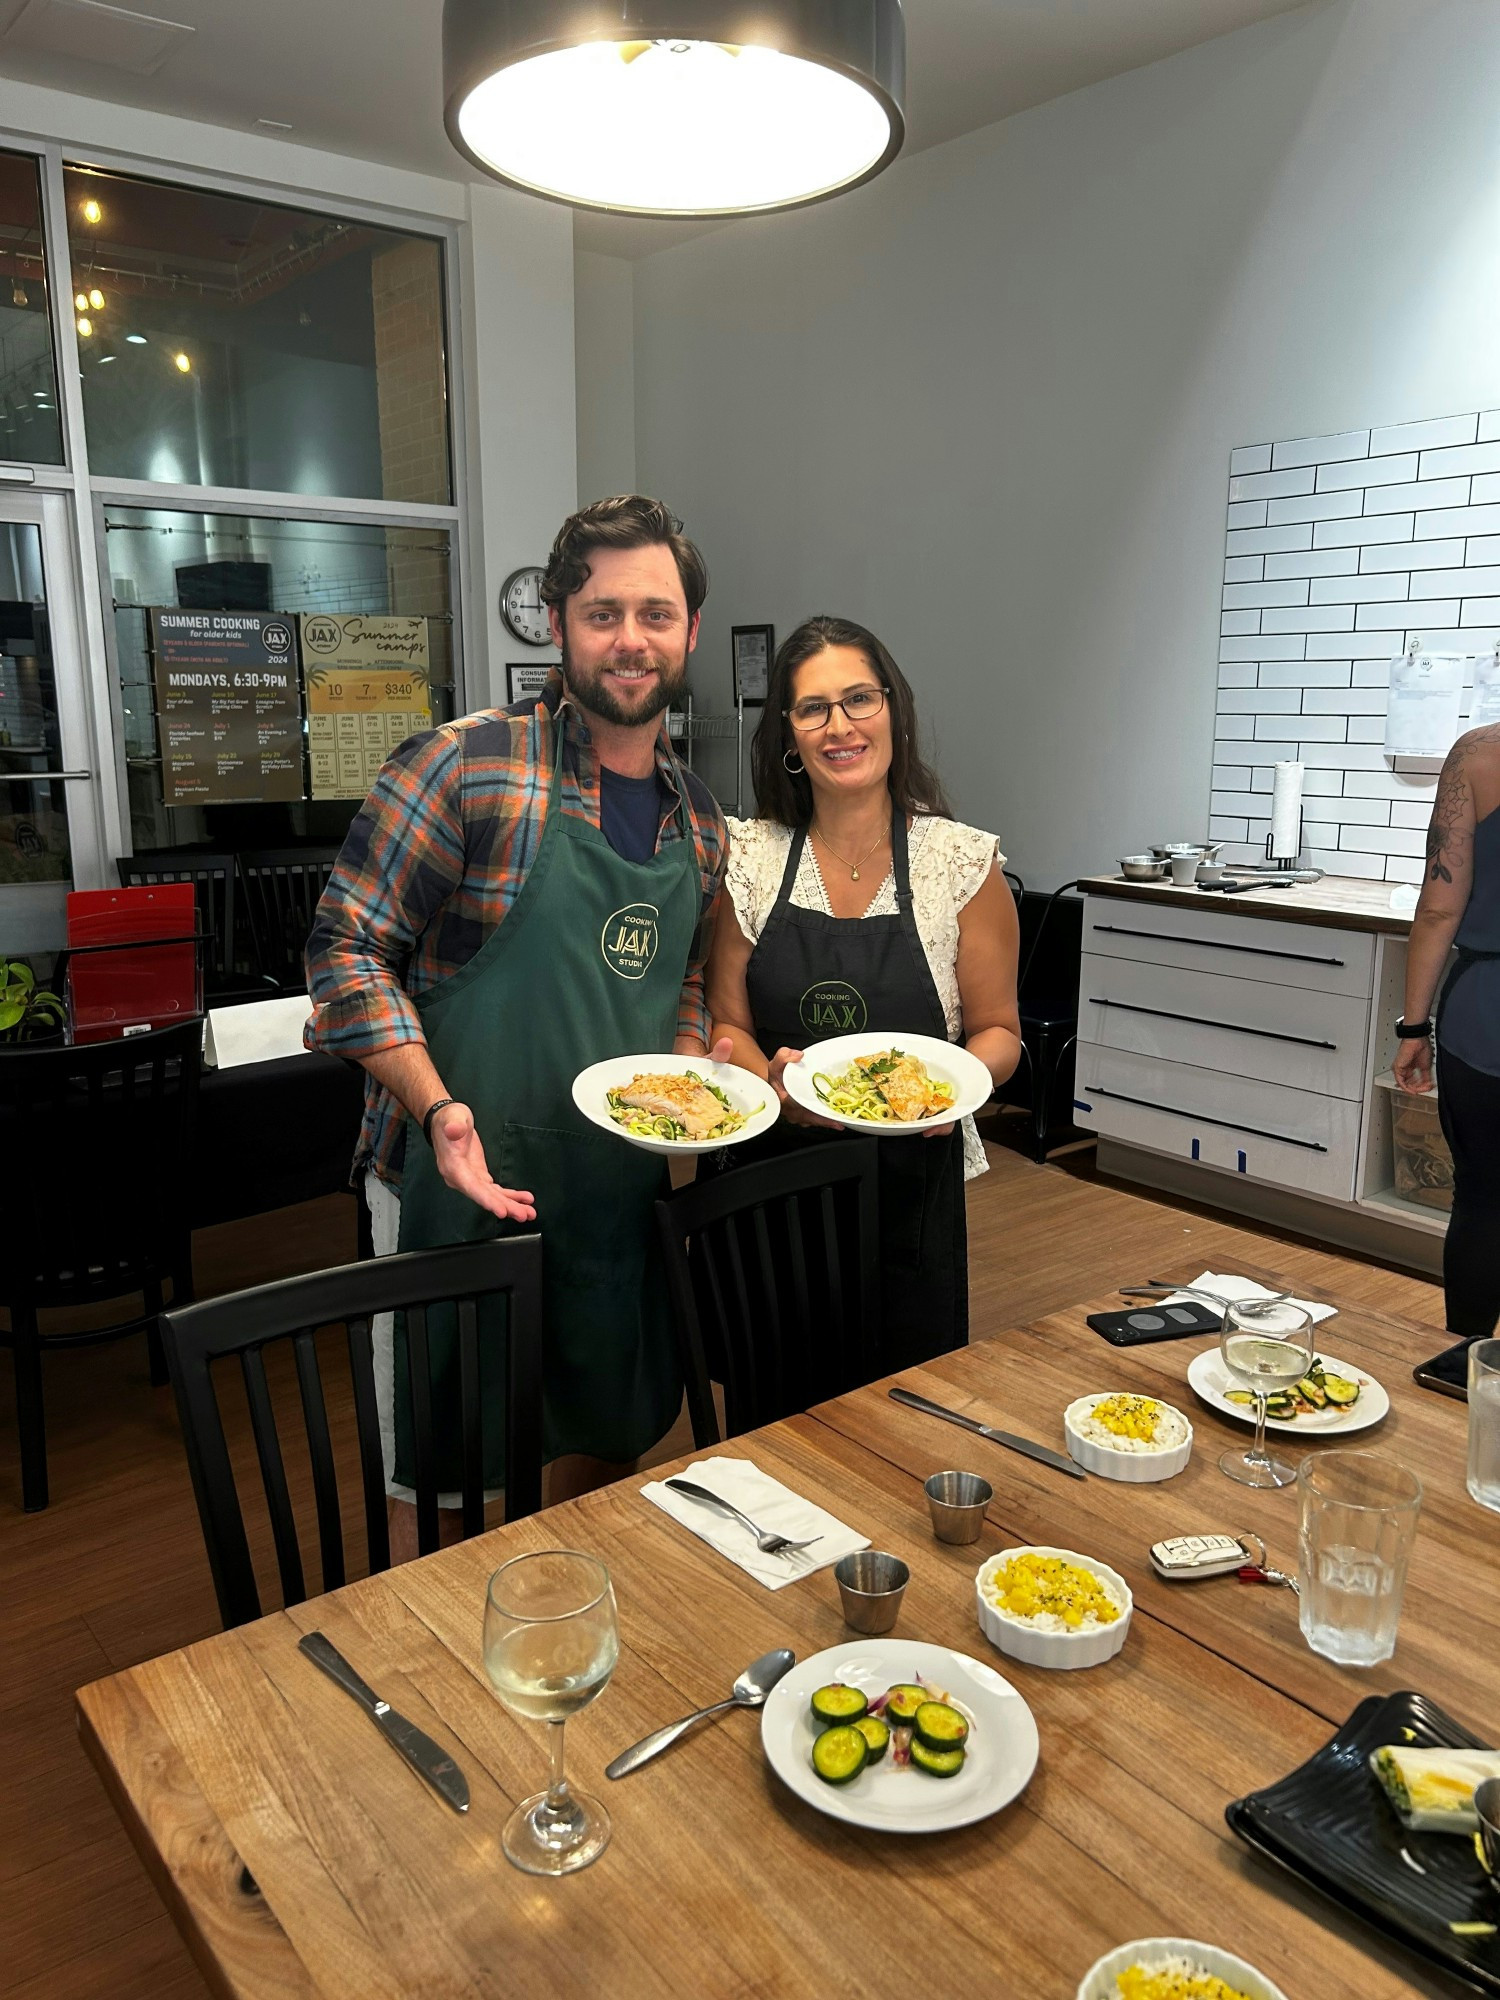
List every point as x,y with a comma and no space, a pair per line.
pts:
628,521
786,795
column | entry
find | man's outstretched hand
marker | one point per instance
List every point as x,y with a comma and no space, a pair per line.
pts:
460,1160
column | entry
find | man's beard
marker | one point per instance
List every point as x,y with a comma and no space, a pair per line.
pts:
591,693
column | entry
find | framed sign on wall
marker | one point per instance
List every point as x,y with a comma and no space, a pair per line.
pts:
525,679
752,647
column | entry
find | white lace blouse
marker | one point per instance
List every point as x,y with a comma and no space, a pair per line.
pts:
948,862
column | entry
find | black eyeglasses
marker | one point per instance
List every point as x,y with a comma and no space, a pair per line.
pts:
859,704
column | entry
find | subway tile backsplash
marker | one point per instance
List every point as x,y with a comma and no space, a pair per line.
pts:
1338,550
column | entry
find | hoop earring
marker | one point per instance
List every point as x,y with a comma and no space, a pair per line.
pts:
794,769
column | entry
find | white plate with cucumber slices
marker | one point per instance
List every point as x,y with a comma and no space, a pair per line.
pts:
999,1757
1209,1377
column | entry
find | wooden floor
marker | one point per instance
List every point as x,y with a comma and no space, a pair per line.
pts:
114,1571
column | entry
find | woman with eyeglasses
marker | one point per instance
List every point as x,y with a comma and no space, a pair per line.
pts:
856,901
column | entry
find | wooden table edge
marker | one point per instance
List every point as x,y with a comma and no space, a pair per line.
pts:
162,1878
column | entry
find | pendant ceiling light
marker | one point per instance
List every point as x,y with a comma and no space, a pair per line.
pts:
676,107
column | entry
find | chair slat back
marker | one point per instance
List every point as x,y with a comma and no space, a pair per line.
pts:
771,1270
248,1324
282,886
213,878
100,1137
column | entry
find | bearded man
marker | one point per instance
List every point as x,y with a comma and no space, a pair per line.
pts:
526,891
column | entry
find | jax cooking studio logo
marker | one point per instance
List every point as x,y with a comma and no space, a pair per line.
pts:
832,1007
628,940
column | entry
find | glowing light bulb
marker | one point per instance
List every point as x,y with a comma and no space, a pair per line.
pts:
81,300
96,298
184,365
92,212
85,325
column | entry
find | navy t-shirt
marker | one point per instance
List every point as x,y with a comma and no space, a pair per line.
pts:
631,812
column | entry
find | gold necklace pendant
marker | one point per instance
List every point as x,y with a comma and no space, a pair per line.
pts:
853,866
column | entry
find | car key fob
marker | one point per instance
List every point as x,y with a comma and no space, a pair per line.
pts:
1189,1557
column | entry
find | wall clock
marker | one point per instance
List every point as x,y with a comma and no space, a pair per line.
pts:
522,608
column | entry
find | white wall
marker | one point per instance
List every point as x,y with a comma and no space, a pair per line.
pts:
603,295
986,404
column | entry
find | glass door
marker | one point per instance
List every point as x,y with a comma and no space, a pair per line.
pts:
49,833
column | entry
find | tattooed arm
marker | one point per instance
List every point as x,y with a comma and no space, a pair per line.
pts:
1447,879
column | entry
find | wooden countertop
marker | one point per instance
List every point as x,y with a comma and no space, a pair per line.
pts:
1339,902
301,1857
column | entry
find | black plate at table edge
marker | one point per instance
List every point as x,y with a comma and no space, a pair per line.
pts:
1390,1714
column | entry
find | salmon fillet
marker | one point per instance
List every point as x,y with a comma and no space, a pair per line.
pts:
695,1107
906,1087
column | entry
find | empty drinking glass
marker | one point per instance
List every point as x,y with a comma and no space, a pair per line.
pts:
1359,1519
1484,1423
550,1644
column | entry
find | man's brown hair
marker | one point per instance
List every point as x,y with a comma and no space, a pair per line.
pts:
627,521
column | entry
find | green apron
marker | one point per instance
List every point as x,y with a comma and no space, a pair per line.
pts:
587,964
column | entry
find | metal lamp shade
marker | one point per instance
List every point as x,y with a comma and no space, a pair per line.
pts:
676,107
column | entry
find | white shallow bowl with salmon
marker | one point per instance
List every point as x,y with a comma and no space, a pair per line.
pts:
675,1104
826,1067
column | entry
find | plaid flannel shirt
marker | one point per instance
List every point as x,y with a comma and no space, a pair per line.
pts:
433,861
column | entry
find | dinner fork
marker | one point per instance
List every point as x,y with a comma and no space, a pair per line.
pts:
766,1541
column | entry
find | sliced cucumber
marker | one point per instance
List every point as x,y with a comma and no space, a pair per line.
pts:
936,1763
903,1700
940,1726
838,1703
1313,1389
1241,1396
840,1754
875,1734
1341,1390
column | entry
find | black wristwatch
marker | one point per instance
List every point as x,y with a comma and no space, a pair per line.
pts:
1414,1031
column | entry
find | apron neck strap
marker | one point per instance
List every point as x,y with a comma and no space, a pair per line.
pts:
683,814
900,864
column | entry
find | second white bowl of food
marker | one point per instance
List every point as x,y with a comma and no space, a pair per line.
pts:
677,1104
1124,1436
1185,1957
1053,1607
891,1086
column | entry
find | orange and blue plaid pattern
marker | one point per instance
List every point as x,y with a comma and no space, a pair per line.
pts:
433,861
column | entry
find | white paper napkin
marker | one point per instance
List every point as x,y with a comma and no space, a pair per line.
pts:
1236,1289
766,1500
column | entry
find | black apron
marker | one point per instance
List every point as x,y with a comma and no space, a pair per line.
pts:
813,976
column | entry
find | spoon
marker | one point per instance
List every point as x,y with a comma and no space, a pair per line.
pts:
750,1691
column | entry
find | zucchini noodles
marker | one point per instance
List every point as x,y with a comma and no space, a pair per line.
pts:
888,1087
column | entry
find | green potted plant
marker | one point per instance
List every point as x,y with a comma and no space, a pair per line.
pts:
28,1012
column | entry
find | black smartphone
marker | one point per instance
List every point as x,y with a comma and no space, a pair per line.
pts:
1155,1322
1447,1372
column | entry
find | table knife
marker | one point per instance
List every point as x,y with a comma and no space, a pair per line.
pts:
428,1759
1039,1452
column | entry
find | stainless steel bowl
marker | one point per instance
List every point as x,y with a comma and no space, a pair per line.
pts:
1142,868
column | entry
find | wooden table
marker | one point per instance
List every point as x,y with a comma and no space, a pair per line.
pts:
235,1759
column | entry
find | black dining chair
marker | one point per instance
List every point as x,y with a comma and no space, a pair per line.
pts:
281,890
1047,1002
97,1142
772,1272
244,1325
229,971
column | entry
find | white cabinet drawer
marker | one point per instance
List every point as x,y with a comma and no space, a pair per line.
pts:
1290,1138
1216,940
1248,1027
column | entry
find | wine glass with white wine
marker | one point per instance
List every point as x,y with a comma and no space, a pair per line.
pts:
1267,1345
551,1639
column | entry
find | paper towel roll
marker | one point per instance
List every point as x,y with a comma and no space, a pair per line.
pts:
1286,812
